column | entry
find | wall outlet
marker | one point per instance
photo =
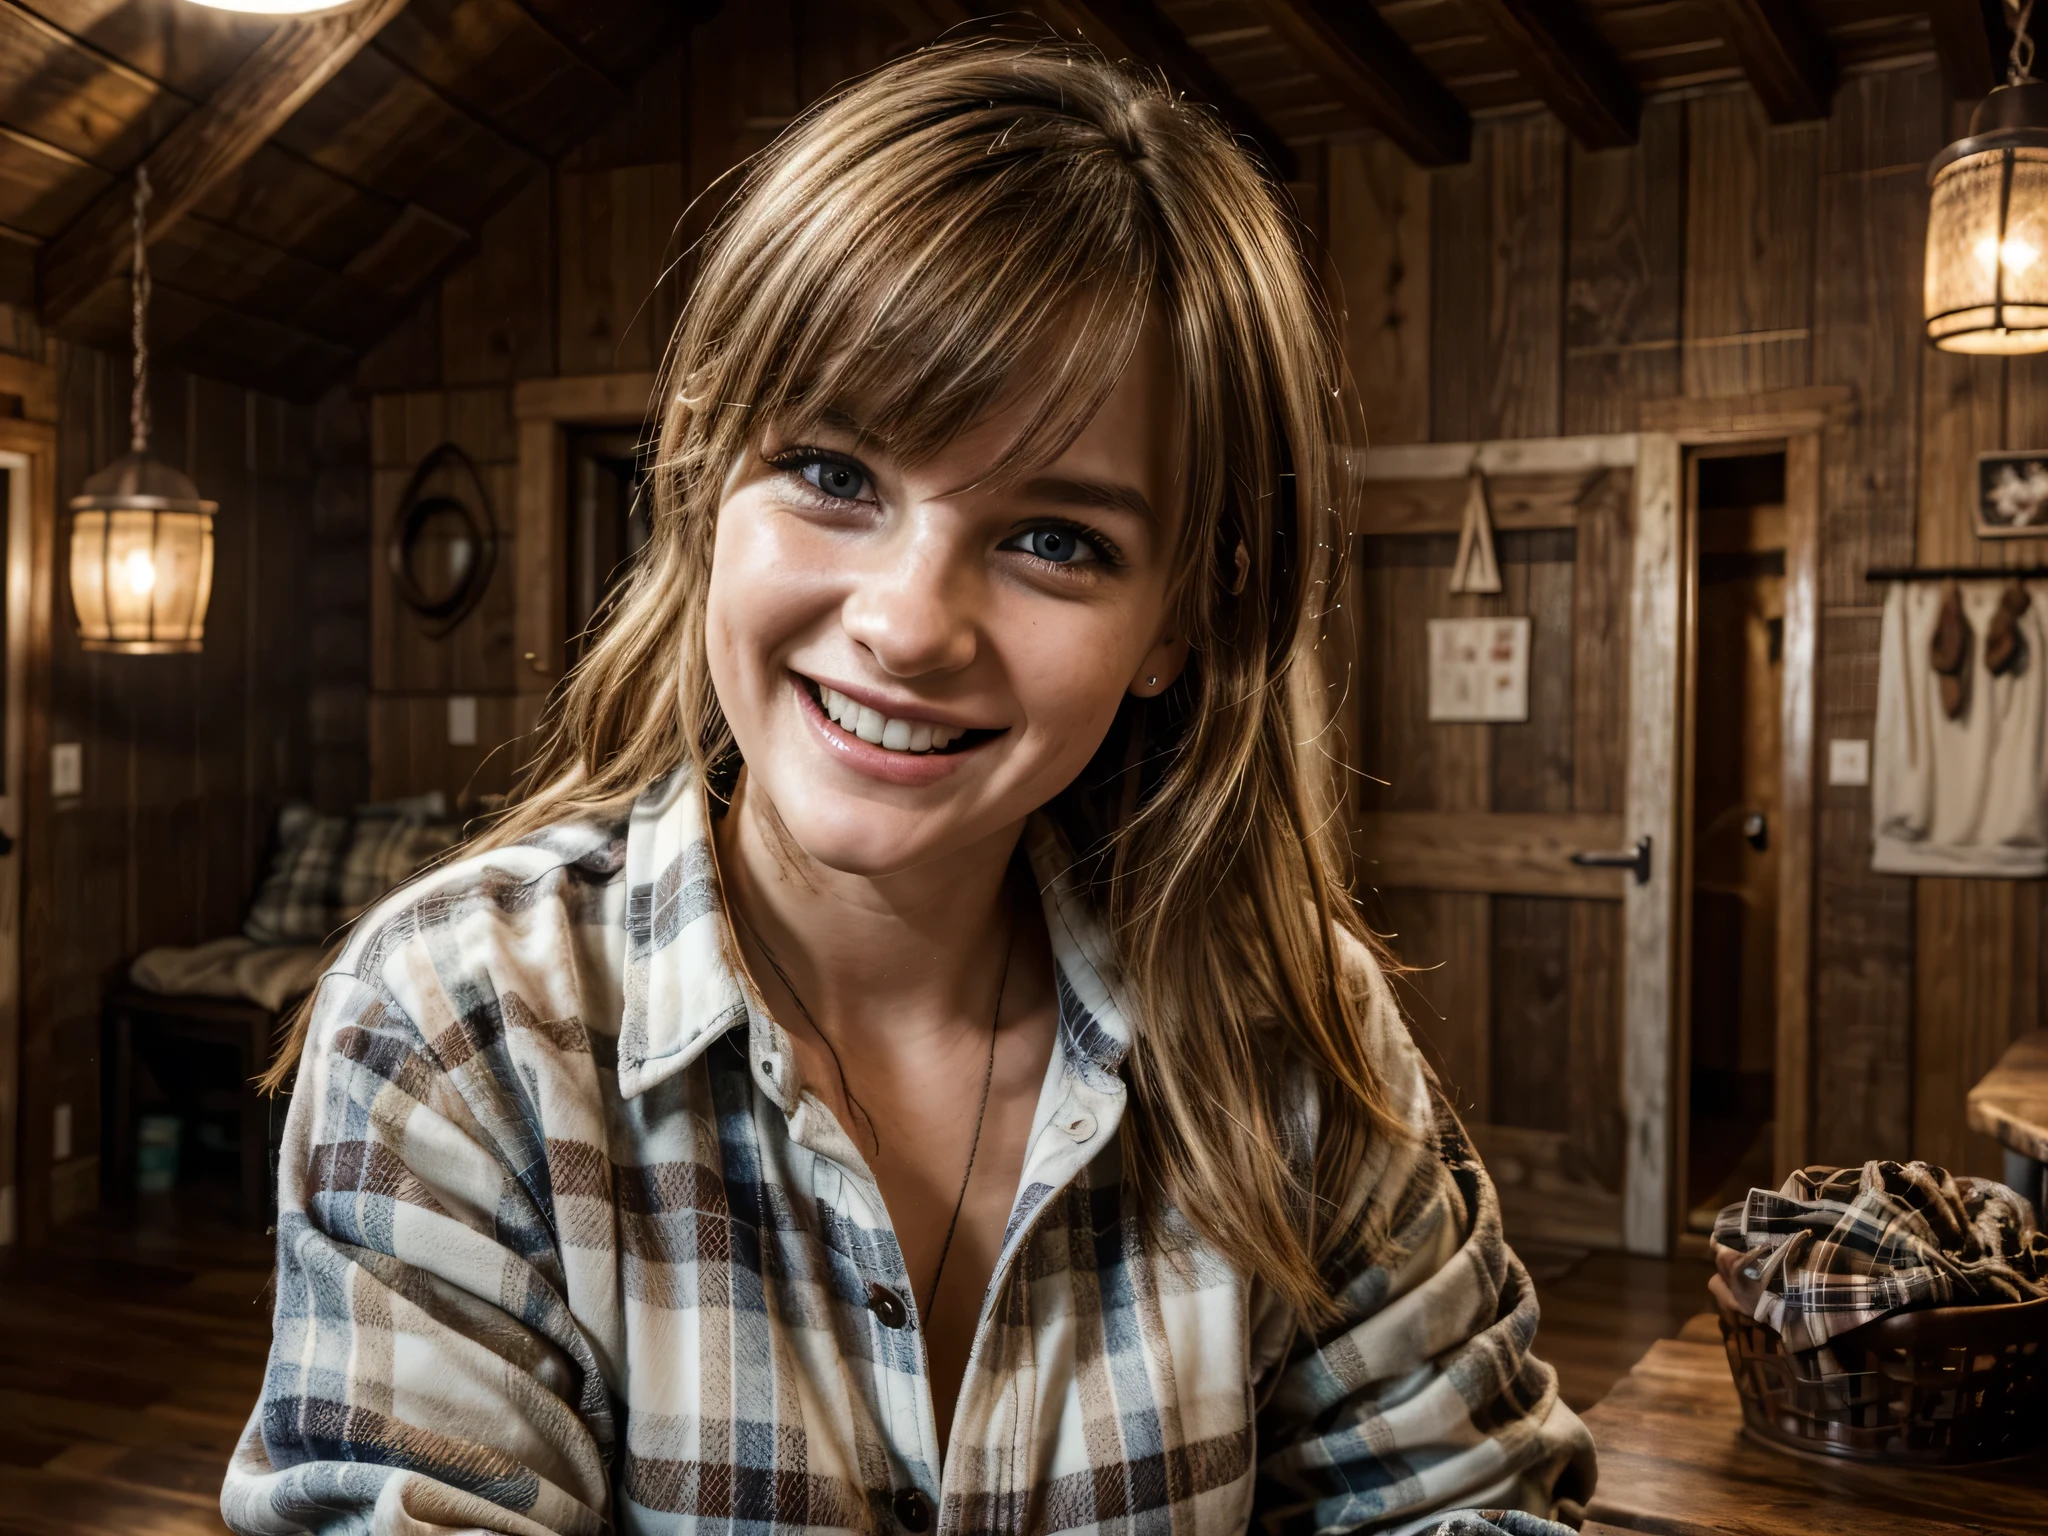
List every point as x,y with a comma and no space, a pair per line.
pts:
60,1133
462,720
1849,763
67,768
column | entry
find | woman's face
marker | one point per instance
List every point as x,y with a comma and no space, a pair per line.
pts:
911,668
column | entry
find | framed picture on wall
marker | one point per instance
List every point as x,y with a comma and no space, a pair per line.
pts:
2012,495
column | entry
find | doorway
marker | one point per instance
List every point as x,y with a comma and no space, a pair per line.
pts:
608,523
1735,805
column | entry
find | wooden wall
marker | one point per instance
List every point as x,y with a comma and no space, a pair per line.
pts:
1543,289
186,758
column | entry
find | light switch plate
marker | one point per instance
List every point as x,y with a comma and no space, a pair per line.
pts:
462,720
67,768
1849,763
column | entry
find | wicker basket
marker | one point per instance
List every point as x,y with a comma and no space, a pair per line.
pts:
1938,1387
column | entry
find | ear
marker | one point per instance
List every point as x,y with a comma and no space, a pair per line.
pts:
1161,666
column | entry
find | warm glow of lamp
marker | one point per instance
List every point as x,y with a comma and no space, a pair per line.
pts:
276,7
1987,287
141,555
141,560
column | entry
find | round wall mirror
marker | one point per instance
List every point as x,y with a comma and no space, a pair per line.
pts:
444,543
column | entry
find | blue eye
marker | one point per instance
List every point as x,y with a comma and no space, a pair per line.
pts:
840,481
1055,546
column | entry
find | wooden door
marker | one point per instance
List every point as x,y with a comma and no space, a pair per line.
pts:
25,459
1541,989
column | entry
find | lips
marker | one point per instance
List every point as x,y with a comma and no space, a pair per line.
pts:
884,731
896,765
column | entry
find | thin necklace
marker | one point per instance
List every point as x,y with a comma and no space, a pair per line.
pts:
988,1078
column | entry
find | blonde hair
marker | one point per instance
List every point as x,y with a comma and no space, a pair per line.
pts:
992,221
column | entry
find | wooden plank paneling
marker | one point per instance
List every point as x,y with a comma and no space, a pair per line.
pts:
1532,758
75,98
1601,576
1792,836
185,757
1532,987
1969,941
1501,852
1524,162
1872,234
1379,213
496,309
1516,503
1622,283
1545,1193
1749,248
286,70
497,61
1863,1005
1650,911
410,753
619,241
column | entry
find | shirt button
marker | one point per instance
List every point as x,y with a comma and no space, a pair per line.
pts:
1080,1125
913,1510
888,1309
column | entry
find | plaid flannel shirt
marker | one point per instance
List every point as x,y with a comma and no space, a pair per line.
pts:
563,1248
1840,1247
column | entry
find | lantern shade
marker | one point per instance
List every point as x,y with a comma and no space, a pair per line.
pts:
1987,229
141,559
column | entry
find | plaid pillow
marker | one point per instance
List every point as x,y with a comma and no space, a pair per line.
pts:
328,869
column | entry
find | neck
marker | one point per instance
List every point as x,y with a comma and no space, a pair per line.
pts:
892,958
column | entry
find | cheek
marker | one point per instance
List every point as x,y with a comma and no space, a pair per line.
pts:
761,597
1070,672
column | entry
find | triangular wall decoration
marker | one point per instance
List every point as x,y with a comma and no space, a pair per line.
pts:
1476,569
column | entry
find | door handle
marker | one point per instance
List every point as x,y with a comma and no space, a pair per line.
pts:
1637,859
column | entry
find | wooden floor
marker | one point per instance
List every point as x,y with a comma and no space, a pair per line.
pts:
131,1353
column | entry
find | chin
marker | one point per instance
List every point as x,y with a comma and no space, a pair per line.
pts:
857,836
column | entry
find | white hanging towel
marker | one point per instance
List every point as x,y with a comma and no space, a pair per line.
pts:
1967,796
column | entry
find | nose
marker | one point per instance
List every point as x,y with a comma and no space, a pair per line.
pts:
913,606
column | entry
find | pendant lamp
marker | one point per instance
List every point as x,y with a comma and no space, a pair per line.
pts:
141,537
276,7
1987,230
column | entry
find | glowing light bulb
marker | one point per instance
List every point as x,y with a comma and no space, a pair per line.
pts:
140,571
2016,254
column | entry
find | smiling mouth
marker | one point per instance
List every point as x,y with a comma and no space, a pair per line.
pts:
913,738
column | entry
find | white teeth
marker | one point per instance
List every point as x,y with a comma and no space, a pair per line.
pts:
890,735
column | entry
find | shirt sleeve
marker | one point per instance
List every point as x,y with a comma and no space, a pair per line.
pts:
1422,1406
425,1373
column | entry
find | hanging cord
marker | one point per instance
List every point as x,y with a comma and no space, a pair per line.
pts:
2022,57
138,407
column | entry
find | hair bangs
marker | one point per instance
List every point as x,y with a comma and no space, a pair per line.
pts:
970,292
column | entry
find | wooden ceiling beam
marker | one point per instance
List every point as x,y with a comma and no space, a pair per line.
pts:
1570,67
1788,59
1142,30
1966,47
1366,62
206,145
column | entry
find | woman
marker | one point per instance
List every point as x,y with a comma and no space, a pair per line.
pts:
910,1060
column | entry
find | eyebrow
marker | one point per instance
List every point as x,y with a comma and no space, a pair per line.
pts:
1106,495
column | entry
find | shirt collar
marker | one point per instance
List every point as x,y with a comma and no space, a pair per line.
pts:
683,990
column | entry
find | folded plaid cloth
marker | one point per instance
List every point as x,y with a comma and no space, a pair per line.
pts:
1840,1247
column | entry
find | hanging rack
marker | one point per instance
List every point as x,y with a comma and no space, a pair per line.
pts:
1957,573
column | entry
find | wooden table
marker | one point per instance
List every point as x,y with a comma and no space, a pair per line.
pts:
2011,1103
1674,1462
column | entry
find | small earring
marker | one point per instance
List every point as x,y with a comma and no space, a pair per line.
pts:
1151,682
